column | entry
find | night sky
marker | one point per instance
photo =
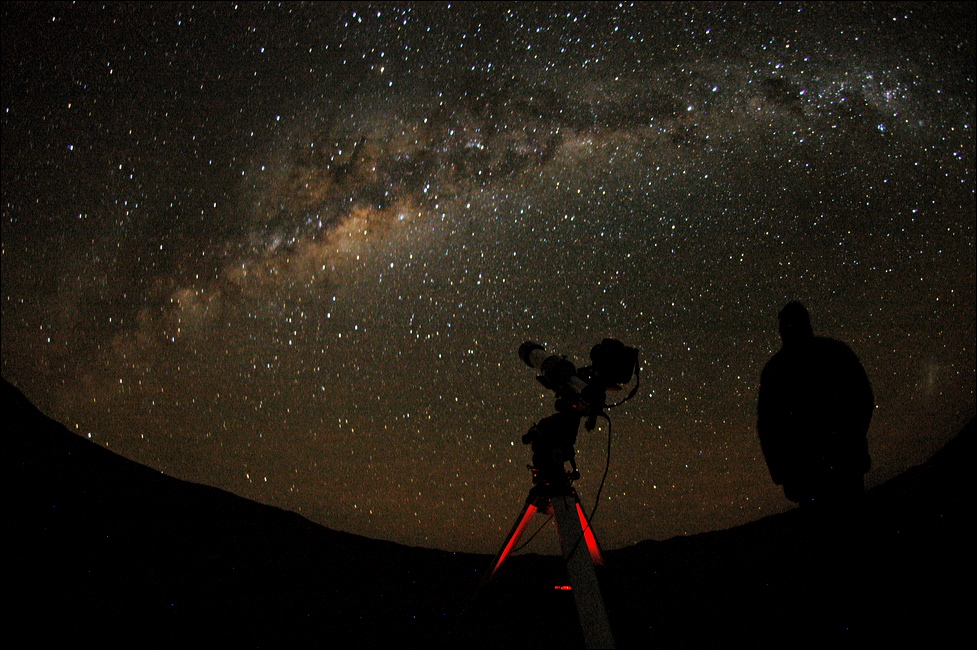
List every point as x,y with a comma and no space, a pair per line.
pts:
291,250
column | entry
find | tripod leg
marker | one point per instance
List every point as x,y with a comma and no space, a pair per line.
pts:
517,530
588,535
586,592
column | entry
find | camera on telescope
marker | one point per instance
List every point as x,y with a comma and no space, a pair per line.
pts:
584,391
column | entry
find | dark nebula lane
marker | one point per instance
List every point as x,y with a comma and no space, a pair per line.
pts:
291,251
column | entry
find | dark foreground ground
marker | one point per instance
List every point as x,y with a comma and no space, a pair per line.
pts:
101,549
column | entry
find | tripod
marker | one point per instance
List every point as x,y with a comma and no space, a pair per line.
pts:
572,528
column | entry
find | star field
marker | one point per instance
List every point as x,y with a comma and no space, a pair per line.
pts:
291,250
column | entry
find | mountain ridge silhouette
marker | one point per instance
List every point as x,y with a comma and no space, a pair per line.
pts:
103,549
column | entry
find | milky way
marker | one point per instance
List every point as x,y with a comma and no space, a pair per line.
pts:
292,251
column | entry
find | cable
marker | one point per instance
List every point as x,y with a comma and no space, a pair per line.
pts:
607,460
600,488
607,467
526,543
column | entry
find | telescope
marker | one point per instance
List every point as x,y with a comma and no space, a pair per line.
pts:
585,390
579,393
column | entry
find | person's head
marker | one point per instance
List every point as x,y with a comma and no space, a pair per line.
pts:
795,323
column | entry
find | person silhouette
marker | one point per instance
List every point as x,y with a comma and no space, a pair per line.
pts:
813,414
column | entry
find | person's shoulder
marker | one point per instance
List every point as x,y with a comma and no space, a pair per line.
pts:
827,343
776,361
829,347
